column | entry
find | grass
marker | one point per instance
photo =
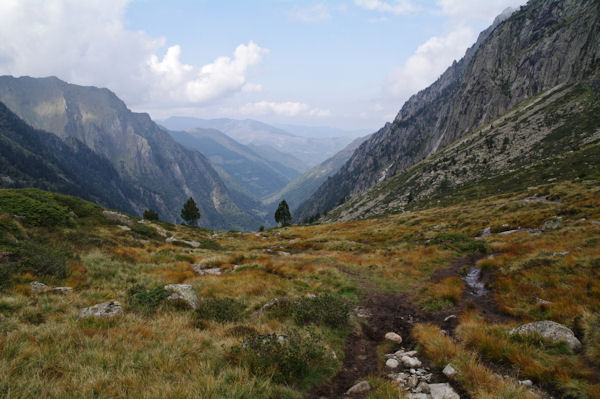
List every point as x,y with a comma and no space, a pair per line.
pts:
158,350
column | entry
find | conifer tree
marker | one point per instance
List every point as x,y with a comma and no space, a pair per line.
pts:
190,212
282,214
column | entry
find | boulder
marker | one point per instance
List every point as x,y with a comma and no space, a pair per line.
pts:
410,361
526,383
549,330
418,396
176,241
117,217
423,387
214,271
392,336
182,293
449,371
442,391
359,388
62,290
552,224
102,310
37,287
392,363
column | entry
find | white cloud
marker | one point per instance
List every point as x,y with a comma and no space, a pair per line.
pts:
287,108
85,42
465,10
316,13
428,62
399,7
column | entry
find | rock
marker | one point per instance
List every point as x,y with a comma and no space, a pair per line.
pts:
442,391
401,353
449,371
358,388
124,228
552,224
37,287
2,317
117,217
176,241
392,336
452,316
595,223
549,330
62,290
392,363
541,301
215,271
412,382
423,387
410,361
184,293
486,232
526,383
102,310
418,396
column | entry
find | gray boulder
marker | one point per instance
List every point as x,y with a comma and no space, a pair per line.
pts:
102,310
392,336
549,330
214,271
183,293
442,391
37,287
552,224
359,388
117,217
449,371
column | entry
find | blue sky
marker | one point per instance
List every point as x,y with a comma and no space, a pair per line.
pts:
348,63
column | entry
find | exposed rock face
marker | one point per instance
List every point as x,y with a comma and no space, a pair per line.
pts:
162,172
549,330
102,310
183,293
544,44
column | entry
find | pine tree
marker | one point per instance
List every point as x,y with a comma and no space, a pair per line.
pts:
150,214
190,212
282,214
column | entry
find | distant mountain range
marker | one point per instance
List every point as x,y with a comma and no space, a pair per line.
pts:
146,158
311,151
524,54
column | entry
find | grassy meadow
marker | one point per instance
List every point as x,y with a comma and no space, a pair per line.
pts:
321,275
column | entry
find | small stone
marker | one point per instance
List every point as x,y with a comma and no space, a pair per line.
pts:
422,387
392,363
526,383
412,382
184,293
62,290
449,371
392,336
442,391
124,228
552,224
452,316
102,310
359,388
411,361
37,287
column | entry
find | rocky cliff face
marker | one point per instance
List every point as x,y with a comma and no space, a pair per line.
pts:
144,155
544,44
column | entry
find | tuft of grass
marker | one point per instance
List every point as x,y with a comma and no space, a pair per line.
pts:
459,242
221,310
326,309
147,300
444,293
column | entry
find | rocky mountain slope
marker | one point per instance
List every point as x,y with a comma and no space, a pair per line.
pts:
300,189
143,154
258,176
34,158
311,151
544,44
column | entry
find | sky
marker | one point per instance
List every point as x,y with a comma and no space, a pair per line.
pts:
349,64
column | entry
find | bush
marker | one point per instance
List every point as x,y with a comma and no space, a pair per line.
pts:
147,300
326,309
150,214
44,212
144,230
219,309
286,359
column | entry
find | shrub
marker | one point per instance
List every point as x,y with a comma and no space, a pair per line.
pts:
325,309
144,230
150,214
285,358
219,309
147,300
44,212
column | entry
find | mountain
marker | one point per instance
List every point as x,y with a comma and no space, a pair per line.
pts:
544,44
299,190
34,158
249,170
311,151
322,131
143,154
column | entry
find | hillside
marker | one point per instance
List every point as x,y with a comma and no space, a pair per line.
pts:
311,151
34,158
544,44
144,155
553,136
258,176
301,188
302,311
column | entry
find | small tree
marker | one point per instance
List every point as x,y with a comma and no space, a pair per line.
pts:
282,214
150,214
190,212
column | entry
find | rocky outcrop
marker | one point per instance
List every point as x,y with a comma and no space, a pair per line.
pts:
544,44
117,217
102,310
182,293
37,287
549,330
